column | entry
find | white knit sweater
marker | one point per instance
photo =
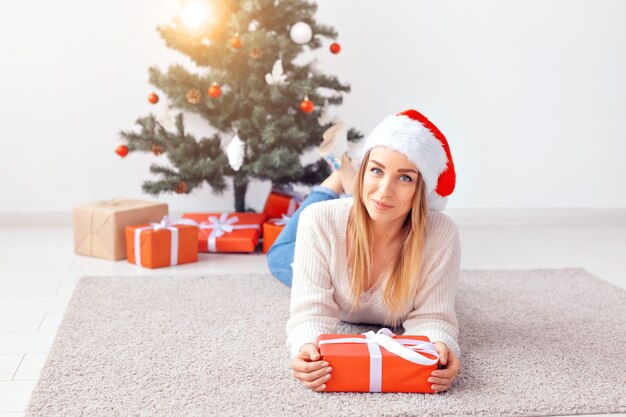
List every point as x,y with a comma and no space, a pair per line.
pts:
320,294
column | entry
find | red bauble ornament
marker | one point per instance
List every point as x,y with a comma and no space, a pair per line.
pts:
215,91
306,105
235,42
122,150
153,98
335,48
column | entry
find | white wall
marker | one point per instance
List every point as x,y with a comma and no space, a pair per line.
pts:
531,95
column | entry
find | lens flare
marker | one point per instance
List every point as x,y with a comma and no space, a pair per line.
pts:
195,13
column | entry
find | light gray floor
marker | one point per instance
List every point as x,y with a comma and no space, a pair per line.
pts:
38,272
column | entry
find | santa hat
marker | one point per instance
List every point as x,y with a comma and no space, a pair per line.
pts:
413,135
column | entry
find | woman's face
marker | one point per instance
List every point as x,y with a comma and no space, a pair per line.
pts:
389,184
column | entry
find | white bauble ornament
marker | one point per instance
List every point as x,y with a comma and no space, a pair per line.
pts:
236,151
301,33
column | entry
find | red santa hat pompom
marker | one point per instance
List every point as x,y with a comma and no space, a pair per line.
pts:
413,135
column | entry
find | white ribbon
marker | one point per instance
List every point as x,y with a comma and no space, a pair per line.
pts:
384,338
165,223
280,222
222,226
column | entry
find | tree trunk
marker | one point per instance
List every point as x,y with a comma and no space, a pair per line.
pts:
240,183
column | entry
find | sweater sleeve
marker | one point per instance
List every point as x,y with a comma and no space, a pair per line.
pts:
433,314
312,307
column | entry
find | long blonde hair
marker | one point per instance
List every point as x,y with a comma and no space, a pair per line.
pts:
404,277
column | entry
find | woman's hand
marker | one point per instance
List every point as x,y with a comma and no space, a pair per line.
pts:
442,378
309,369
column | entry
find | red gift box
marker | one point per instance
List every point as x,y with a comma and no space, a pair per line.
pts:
279,203
227,232
378,362
162,244
271,230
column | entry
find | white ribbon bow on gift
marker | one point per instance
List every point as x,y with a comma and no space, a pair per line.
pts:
281,222
384,338
165,223
222,226
295,199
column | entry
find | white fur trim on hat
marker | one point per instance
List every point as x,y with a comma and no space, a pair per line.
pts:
421,147
436,202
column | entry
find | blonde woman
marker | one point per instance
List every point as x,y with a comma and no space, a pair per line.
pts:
386,256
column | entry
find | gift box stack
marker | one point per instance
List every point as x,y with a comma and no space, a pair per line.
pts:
142,232
378,362
279,208
99,228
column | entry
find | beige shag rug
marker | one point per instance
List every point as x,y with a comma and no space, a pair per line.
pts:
535,342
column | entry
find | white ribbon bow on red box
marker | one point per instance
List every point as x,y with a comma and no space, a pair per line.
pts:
221,226
384,338
165,223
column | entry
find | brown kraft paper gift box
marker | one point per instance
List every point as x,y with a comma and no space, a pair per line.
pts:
99,227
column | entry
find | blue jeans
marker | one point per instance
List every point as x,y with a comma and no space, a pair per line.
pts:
280,255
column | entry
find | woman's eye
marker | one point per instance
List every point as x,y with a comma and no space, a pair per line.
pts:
375,170
407,178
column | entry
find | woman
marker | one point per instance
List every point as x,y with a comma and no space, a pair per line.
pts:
385,256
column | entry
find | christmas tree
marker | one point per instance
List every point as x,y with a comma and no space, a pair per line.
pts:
249,90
